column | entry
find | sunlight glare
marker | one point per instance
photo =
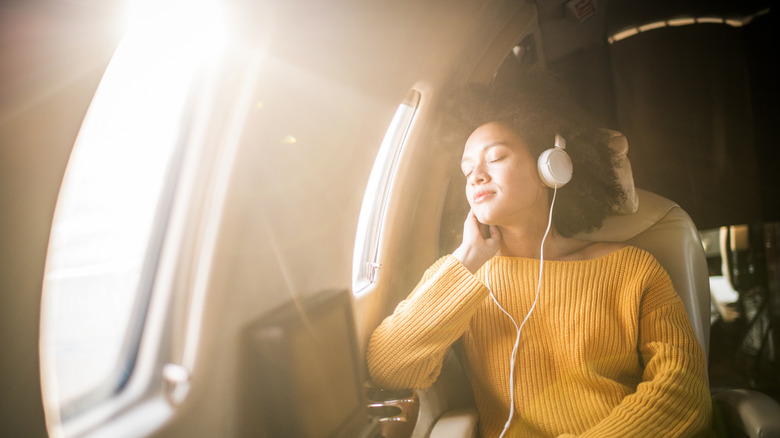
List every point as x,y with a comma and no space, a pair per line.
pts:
194,27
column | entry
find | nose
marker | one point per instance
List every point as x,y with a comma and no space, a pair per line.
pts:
478,175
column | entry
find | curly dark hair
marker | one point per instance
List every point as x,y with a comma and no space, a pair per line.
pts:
536,109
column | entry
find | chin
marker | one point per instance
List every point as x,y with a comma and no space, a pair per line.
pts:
486,219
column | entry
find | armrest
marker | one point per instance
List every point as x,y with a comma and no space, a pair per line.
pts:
459,423
748,413
445,402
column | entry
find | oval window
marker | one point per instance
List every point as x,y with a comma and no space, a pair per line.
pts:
372,212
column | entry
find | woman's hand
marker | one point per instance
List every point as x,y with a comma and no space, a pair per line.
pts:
476,249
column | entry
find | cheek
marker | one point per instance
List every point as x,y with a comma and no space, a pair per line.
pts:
529,178
469,191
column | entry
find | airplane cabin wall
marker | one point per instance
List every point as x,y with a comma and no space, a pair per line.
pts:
53,55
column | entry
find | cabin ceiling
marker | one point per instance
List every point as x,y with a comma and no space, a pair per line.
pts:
563,34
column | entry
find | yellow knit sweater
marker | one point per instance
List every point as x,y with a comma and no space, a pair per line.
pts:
608,350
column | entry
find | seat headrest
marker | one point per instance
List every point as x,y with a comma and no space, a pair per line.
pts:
625,226
619,145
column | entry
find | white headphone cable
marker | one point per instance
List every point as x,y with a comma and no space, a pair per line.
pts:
533,306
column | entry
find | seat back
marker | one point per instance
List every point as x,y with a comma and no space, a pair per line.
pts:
664,229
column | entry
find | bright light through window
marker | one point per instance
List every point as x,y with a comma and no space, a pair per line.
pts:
366,256
112,203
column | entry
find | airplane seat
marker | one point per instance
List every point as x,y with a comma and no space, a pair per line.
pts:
661,227
664,229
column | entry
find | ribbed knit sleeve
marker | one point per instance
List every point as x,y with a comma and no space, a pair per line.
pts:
408,348
673,399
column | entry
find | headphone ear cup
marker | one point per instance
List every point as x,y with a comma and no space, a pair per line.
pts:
555,168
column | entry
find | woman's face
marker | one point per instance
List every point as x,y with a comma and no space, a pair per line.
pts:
502,182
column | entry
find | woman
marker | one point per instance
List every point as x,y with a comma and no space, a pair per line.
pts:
591,337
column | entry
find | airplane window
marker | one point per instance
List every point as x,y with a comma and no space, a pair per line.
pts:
366,256
112,209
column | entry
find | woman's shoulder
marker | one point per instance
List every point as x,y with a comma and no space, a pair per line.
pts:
587,250
594,250
627,253
635,265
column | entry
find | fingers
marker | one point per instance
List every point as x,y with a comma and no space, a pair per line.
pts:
479,234
471,226
495,233
472,217
480,243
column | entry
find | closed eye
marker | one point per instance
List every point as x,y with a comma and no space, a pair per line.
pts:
496,153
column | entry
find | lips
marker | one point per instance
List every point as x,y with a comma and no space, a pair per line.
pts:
482,195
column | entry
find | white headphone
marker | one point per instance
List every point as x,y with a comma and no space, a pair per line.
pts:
555,168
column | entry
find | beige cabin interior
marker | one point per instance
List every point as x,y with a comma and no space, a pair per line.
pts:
257,223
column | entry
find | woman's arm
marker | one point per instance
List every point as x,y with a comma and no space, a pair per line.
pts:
408,348
673,399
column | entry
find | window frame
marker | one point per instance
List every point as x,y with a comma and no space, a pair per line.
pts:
373,211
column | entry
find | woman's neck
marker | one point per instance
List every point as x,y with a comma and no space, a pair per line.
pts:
517,243
524,242
520,242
